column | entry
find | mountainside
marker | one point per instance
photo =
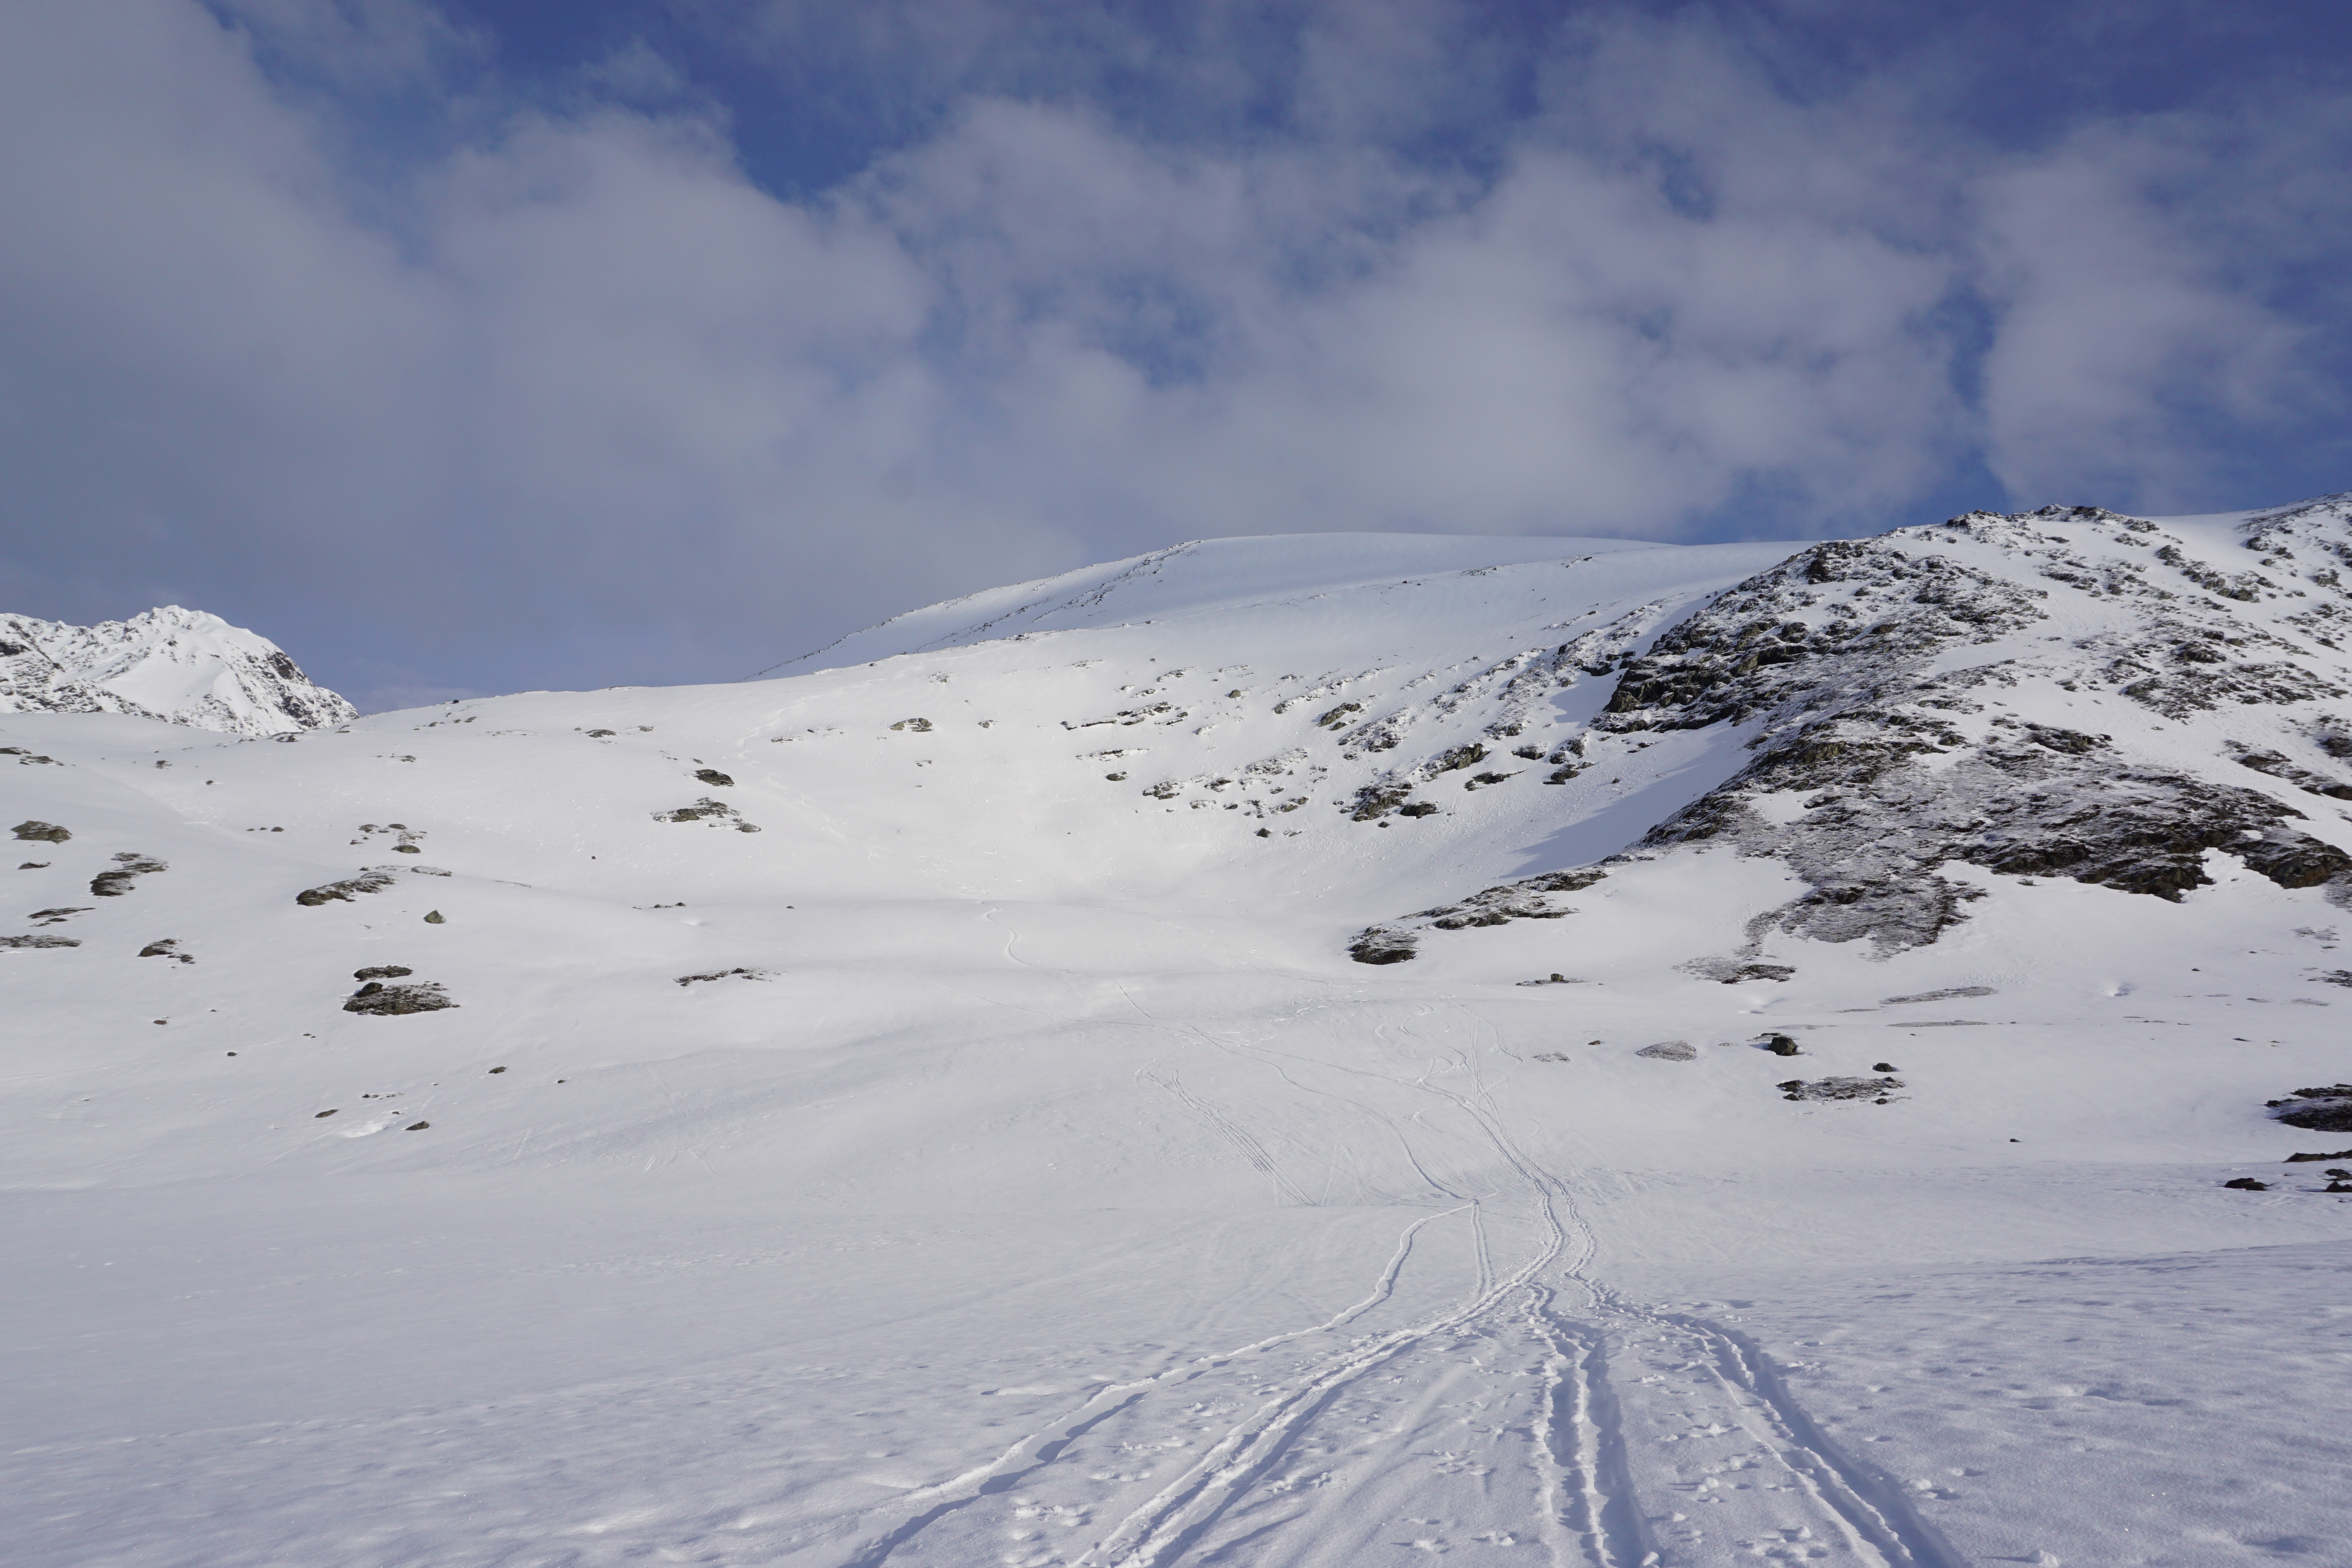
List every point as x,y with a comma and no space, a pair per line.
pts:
2066,693
183,666
1323,1052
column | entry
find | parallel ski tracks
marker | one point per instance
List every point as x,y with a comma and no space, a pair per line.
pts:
1157,1532
1587,1503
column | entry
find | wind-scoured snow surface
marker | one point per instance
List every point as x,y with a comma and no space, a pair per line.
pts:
183,666
1276,1053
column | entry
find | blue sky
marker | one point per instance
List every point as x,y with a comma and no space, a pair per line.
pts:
490,345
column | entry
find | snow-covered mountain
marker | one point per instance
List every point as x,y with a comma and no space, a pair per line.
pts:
183,666
2066,693
1328,1051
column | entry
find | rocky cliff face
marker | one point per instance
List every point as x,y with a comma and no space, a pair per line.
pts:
180,666
2063,693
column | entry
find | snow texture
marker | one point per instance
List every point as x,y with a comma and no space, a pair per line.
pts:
1001,1159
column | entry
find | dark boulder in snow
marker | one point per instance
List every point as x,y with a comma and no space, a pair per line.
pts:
725,974
1670,1051
392,1001
1382,944
2325,1109
127,868
344,891
42,832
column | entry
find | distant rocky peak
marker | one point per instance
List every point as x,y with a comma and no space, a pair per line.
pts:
181,665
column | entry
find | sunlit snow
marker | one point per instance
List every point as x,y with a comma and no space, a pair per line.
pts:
962,1136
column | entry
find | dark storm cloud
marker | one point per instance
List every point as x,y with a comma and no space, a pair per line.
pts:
456,350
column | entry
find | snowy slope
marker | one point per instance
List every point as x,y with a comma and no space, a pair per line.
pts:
935,1110
1265,573
183,666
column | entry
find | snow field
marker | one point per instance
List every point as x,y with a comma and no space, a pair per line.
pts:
1057,1192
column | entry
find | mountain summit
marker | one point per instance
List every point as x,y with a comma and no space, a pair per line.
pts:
183,666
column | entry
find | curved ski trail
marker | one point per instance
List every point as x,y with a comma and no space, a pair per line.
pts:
1613,1435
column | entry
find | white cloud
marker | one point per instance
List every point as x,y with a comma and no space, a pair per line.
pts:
579,402
365,45
2125,354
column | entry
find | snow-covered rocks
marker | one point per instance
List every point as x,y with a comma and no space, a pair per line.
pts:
345,889
717,813
2065,693
1878,1091
183,666
119,879
380,1000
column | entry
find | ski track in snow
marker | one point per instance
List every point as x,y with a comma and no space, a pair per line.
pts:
1764,1482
